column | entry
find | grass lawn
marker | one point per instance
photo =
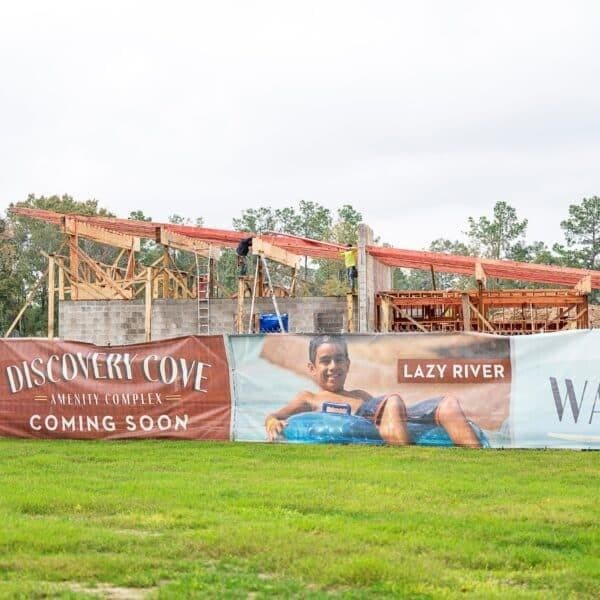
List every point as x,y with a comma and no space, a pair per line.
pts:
157,519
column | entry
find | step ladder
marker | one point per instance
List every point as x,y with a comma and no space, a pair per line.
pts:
203,286
265,266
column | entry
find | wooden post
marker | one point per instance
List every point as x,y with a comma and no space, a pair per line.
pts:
51,289
130,265
294,282
350,312
240,305
531,317
211,289
61,279
582,317
466,312
165,277
484,321
481,307
585,317
148,306
155,283
251,318
385,314
260,286
74,266
433,278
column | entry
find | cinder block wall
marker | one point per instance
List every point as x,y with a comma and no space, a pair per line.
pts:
101,322
118,322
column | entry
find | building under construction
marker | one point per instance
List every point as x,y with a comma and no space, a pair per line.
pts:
126,302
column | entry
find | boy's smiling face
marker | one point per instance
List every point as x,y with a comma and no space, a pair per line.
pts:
330,367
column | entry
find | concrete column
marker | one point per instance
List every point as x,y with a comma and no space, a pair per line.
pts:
373,277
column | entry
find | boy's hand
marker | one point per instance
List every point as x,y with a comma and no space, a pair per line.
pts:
274,428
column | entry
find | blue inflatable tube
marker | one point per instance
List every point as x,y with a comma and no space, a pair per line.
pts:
345,428
331,427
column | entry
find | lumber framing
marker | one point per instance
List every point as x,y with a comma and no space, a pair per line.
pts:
467,265
101,276
51,290
74,265
79,277
480,274
239,316
261,247
466,312
91,280
28,301
350,312
187,244
148,306
584,285
509,312
103,236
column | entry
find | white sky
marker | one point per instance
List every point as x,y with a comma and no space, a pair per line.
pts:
419,114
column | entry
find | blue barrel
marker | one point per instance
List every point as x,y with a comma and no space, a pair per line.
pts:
269,323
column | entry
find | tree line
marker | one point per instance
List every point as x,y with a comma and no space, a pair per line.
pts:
501,236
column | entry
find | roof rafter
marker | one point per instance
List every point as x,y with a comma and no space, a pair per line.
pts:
217,237
194,239
467,265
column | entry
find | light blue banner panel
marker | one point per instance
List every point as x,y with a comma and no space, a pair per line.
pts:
555,399
424,389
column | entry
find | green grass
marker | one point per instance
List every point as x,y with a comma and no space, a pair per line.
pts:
185,519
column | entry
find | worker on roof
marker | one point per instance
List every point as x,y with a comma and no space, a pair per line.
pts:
242,252
350,259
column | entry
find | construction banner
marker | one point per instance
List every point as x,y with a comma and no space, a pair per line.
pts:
459,389
555,401
462,389
175,388
423,389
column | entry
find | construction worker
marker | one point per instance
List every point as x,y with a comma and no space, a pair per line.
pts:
350,258
242,252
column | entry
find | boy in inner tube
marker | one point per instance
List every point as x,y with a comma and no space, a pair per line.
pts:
328,365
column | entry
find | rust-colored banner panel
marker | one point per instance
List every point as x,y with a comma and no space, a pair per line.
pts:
456,370
176,388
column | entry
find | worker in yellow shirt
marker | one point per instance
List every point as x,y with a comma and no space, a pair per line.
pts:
350,257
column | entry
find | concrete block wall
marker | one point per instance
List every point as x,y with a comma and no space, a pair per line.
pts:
102,322
301,311
117,322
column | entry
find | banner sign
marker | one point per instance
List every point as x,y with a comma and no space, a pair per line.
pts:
175,388
555,401
435,389
424,389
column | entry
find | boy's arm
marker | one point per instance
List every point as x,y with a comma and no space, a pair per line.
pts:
363,395
275,422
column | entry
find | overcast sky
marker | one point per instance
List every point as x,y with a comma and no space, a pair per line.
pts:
418,114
